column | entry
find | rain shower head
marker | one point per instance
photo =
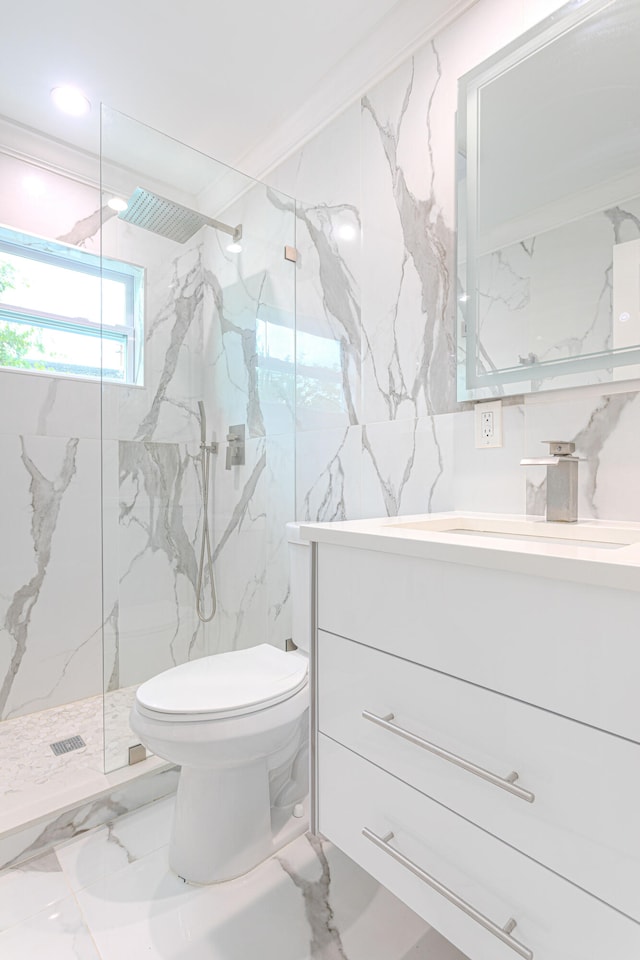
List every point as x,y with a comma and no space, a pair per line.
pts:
169,219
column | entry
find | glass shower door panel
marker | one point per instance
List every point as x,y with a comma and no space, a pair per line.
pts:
200,327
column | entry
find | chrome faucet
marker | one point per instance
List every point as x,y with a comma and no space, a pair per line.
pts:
562,480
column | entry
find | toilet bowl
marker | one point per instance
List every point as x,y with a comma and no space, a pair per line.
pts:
237,725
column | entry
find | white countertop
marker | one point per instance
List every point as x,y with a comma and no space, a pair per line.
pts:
598,552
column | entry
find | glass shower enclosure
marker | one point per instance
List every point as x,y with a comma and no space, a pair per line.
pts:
198,371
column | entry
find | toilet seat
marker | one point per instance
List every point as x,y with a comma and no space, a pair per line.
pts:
224,685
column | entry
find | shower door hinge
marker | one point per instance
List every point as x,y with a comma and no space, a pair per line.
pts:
137,754
291,254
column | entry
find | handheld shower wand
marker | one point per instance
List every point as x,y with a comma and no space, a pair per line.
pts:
203,423
206,449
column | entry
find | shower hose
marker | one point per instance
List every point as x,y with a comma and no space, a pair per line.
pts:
205,546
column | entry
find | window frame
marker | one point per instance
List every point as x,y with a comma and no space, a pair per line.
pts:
53,252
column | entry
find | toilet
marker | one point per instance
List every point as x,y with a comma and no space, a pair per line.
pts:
237,725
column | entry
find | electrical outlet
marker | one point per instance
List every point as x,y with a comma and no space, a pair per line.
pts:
488,424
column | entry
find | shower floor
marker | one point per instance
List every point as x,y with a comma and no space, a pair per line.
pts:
34,782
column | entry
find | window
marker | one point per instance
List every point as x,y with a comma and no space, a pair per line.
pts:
64,311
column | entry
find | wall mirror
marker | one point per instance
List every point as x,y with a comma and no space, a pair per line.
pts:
549,206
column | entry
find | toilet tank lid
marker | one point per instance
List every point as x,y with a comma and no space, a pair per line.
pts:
226,681
293,533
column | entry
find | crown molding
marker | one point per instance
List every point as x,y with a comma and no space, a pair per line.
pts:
21,142
42,150
406,28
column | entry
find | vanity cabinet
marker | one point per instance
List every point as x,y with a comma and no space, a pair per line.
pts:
477,751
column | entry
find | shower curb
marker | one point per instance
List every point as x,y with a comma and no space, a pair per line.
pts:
37,836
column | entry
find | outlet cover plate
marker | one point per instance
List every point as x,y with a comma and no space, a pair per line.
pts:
488,424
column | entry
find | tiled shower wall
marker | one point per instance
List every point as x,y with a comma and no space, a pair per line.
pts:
86,466
50,561
380,431
62,439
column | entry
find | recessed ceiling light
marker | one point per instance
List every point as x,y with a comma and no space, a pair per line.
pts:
70,100
117,204
234,247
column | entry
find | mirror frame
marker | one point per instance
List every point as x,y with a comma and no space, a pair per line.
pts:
472,384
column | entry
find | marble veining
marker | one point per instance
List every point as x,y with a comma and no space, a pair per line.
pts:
325,498
243,503
88,226
410,466
183,306
153,517
428,243
395,390
326,943
247,339
340,300
46,407
109,894
46,497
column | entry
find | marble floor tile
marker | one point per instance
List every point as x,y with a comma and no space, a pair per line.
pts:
145,910
29,889
309,902
110,895
57,933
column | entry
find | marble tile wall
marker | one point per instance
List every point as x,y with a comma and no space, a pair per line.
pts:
60,440
249,379
50,562
151,481
379,431
219,328
375,287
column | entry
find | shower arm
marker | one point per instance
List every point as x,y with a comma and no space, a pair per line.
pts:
234,232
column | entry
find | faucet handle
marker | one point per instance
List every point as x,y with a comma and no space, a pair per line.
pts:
560,448
560,451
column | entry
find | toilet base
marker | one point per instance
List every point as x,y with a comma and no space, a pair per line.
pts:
222,824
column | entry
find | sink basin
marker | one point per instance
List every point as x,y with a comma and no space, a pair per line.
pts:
587,534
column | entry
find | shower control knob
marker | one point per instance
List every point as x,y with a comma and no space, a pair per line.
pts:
235,448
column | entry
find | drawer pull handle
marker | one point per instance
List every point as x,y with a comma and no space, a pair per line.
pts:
505,783
502,933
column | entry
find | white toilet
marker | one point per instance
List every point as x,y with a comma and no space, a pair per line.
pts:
234,722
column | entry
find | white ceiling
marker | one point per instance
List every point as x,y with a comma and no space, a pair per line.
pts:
244,81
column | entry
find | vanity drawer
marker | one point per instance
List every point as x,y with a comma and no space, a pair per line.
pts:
555,920
574,804
567,647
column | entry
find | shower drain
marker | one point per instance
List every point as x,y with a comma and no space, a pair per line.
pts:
66,746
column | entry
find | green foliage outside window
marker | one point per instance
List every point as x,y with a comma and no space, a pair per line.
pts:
16,344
